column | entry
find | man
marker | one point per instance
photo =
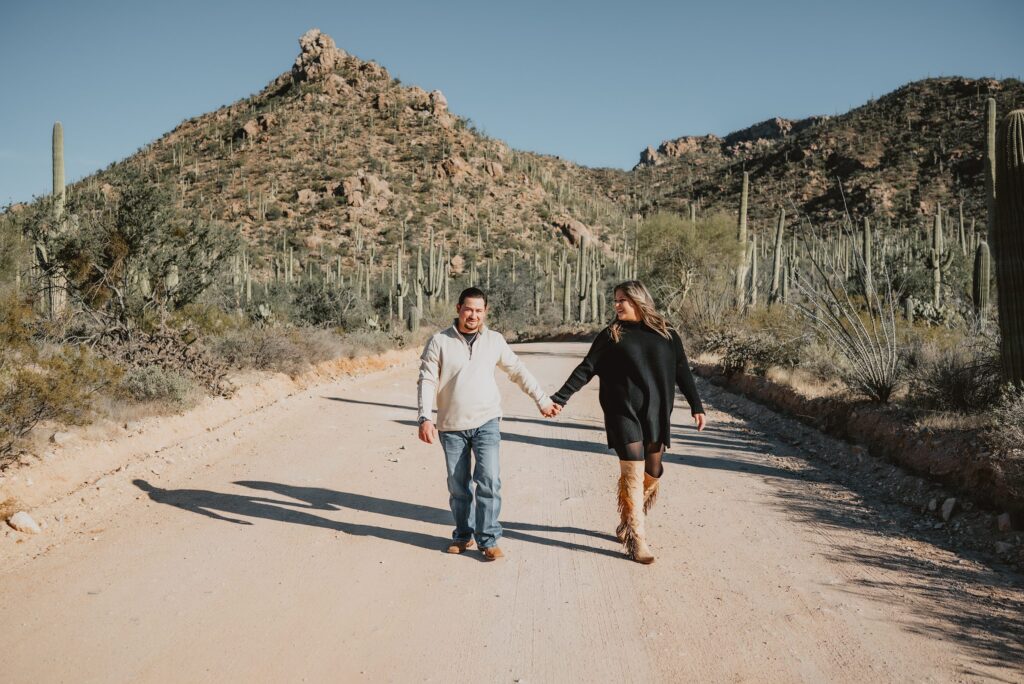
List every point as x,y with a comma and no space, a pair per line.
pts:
457,367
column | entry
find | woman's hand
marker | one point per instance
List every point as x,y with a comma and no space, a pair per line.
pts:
699,419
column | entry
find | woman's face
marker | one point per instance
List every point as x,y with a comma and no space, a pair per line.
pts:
625,309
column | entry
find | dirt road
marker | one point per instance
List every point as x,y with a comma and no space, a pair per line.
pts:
304,544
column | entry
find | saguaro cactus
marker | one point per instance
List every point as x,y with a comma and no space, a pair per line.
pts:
752,260
775,292
741,270
868,255
982,279
990,163
1009,242
58,171
567,294
938,259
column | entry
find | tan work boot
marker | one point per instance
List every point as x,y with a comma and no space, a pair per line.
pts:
635,534
492,553
460,546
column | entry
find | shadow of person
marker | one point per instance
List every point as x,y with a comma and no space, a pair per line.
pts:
234,507
319,498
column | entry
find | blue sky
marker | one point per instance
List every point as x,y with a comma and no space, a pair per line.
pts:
594,82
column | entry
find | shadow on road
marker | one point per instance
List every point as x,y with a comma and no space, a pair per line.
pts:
964,603
234,507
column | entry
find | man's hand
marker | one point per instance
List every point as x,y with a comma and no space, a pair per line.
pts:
428,433
699,419
551,411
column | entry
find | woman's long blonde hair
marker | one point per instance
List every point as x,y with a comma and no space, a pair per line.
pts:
641,297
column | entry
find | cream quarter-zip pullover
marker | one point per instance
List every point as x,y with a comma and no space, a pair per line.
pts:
461,377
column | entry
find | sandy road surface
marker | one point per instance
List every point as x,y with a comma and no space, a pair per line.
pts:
305,546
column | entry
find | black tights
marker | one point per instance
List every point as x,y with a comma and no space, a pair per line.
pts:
650,454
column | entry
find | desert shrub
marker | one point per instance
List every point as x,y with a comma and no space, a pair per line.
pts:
38,385
154,383
277,348
1006,431
753,352
1005,436
962,378
319,306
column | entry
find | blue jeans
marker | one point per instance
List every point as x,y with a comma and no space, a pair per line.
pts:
477,518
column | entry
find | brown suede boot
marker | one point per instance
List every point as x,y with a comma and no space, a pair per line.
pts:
636,541
650,492
459,546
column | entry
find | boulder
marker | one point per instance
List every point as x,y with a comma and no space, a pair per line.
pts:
1003,523
947,508
574,231
23,522
649,157
307,196
438,102
454,168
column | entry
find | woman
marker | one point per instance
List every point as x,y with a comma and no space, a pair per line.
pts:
639,359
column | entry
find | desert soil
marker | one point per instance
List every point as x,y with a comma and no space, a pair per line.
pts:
302,540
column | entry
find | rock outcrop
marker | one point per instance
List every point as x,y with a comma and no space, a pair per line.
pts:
318,58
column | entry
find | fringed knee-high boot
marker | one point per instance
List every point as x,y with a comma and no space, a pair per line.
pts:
632,480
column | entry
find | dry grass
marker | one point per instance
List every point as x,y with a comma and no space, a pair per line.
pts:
943,420
804,382
9,507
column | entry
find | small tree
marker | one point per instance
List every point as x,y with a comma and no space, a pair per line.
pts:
142,257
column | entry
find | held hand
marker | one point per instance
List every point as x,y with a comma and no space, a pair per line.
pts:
551,411
699,419
428,433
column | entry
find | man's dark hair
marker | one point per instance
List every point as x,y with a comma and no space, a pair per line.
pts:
472,293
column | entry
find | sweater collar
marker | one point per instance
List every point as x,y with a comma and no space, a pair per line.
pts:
455,327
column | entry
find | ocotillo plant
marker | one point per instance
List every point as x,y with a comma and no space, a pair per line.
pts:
1009,242
982,280
741,270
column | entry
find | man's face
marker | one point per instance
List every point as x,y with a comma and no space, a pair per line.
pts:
471,314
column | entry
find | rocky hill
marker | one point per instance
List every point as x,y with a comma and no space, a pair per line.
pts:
337,161
895,157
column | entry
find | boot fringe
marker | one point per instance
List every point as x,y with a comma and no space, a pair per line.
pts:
623,508
651,496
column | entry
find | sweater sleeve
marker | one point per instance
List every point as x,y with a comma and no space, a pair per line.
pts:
684,377
583,372
517,372
426,385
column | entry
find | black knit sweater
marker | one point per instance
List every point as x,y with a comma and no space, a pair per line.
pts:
638,378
